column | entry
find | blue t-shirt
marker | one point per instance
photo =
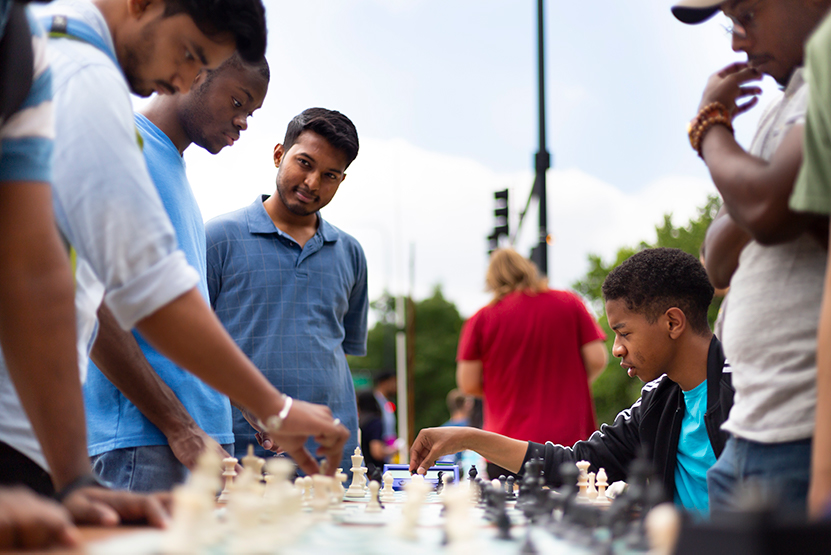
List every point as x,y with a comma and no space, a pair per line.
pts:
296,313
113,422
695,454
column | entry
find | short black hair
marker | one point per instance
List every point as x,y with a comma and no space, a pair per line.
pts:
333,126
236,62
655,280
244,19
383,376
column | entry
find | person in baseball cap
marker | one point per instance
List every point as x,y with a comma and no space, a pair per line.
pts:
771,423
696,11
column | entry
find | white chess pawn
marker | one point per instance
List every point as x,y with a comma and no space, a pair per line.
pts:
322,493
583,480
388,494
340,478
229,464
373,506
602,483
591,491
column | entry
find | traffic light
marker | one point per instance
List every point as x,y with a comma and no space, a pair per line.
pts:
501,226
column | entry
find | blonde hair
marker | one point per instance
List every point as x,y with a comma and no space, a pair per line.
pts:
509,271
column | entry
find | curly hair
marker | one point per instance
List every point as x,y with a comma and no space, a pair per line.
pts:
509,271
243,19
655,280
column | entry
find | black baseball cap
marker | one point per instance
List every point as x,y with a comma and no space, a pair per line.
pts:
696,11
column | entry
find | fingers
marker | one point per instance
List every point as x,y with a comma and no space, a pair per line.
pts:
109,507
30,522
304,460
742,108
735,67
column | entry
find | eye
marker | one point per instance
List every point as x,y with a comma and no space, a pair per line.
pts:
331,176
237,103
188,56
303,162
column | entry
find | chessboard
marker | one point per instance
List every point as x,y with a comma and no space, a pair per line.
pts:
271,514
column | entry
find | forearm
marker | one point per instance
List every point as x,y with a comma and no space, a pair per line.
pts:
188,333
723,245
821,453
121,360
37,328
501,450
756,191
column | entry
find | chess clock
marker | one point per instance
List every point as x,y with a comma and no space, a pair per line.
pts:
401,474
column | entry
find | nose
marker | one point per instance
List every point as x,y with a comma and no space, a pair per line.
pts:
739,43
618,350
241,122
313,181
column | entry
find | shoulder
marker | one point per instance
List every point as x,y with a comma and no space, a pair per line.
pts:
344,241
230,221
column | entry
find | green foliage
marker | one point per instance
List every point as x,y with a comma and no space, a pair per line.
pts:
437,327
614,390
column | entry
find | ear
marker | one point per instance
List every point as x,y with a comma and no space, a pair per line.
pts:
137,8
676,322
278,155
342,179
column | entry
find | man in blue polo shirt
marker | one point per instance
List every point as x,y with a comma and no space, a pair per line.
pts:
290,288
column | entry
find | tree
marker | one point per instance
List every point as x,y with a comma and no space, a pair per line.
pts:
437,328
614,390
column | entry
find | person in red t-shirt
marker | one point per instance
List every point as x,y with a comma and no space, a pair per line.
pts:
532,351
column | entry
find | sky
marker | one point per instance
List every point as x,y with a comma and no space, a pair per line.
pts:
444,97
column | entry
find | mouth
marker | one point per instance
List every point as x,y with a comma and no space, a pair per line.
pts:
757,61
164,88
630,370
230,139
305,196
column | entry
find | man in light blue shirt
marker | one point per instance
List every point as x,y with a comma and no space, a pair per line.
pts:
291,288
149,419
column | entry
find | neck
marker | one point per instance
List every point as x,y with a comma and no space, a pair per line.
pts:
162,112
689,367
114,12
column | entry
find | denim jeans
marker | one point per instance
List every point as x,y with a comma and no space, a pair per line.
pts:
143,469
781,470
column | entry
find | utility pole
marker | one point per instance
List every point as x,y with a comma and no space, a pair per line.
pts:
539,254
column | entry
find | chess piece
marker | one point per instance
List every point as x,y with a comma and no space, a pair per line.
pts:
322,494
663,524
591,491
602,483
356,488
387,494
229,473
583,480
509,488
416,490
374,505
341,478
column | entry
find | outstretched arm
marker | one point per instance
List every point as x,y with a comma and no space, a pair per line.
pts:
188,332
121,360
755,191
433,443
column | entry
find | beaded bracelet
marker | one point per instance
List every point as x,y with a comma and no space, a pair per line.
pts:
712,114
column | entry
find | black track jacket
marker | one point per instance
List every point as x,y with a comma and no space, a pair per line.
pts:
653,423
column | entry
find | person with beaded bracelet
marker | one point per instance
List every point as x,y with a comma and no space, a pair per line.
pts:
768,254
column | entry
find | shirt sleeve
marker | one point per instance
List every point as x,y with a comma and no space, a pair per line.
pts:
812,191
213,262
26,138
587,328
105,202
470,339
355,321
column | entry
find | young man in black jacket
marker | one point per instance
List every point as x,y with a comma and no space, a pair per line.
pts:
656,304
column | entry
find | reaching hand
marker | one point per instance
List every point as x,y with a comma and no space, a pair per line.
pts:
105,507
309,420
433,443
728,86
28,521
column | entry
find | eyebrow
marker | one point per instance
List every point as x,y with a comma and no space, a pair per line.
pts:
618,326
250,96
200,53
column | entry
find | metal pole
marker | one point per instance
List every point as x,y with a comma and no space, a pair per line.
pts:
401,376
543,161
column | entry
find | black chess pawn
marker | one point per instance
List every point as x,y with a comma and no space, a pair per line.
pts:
509,488
439,483
472,473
